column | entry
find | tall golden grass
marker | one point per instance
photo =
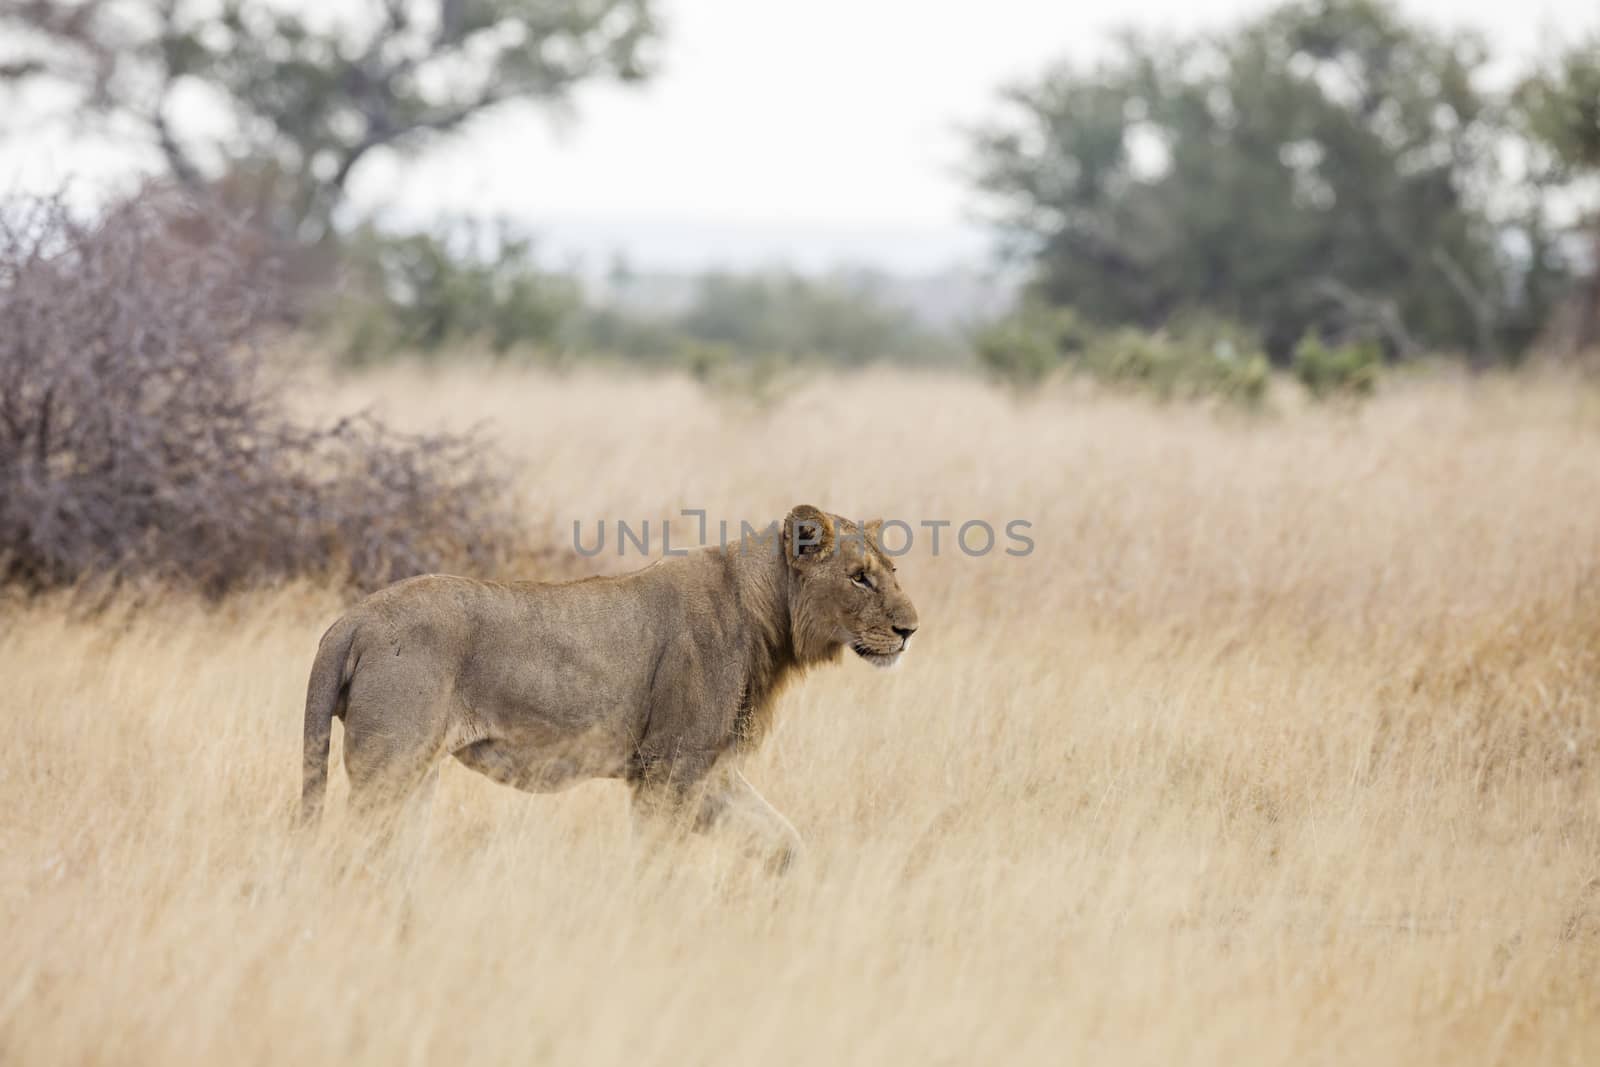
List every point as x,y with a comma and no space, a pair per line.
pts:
1281,747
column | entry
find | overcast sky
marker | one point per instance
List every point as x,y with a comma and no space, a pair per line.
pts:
815,132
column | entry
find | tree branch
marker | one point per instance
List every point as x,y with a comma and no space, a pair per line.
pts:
1484,311
387,133
178,160
183,168
1379,312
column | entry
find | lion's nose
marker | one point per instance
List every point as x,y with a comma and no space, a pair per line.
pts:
905,633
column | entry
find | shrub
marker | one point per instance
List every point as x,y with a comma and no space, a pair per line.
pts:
1347,370
1029,345
143,435
1179,367
1195,358
843,320
420,293
466,284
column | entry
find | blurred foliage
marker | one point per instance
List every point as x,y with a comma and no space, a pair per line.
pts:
1557,109
419,293
1179,366
795,318
1031,344
311,97
1559,105
1198,356
473,285
1345,371
1325,166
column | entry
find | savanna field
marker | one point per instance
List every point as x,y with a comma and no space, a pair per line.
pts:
1283,746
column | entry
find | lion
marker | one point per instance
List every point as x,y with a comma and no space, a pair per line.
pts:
655,677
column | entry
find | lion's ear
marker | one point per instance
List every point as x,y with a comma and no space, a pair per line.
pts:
874,528
808,535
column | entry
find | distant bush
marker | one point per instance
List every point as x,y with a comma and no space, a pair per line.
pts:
795,318
1029,345
1195,358
1332,371
1179,367
142,434
648,340
461,286
422,292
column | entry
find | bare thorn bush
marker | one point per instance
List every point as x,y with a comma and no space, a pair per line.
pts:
144,435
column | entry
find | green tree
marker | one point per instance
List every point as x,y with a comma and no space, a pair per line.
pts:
309,98
1323,167
423,292
1558,108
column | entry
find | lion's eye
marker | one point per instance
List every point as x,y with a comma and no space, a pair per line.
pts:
862,580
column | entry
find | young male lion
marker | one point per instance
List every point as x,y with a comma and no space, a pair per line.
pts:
652,677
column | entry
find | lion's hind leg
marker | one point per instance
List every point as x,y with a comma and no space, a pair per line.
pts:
392,749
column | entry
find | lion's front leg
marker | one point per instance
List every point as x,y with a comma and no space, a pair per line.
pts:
733,806
723,802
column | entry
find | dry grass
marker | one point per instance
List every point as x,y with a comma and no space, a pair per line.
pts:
1281,748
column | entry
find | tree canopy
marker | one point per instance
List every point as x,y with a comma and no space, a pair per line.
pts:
310,97
1328,167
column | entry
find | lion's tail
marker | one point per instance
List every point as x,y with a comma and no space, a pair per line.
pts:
330,677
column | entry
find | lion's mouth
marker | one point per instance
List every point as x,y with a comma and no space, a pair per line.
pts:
877,659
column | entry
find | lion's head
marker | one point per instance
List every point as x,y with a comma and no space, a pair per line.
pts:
845,593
